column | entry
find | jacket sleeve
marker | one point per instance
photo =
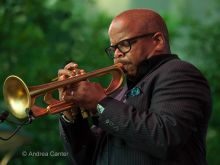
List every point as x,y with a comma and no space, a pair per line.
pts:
180,107
79,141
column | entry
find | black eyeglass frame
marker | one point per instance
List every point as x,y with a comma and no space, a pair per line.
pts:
111,49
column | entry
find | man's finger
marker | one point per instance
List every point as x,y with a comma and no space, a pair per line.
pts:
71,66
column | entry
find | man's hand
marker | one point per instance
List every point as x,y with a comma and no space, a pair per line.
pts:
70,70
86,95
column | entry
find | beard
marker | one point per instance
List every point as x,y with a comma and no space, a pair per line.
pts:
129,69
130,72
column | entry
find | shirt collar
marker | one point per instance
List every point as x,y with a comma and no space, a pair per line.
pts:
148,66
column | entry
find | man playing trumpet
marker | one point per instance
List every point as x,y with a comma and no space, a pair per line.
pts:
161,114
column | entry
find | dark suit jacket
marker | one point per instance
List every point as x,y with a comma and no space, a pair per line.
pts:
161,119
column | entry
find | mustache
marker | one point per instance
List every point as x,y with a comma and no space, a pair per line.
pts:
124,62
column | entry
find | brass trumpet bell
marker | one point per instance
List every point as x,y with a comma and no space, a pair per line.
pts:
17,96
20,98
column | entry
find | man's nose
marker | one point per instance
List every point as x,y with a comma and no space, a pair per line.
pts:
118,54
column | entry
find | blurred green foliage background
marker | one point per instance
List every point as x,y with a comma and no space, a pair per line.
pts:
39,37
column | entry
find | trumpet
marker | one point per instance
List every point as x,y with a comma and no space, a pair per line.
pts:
21,99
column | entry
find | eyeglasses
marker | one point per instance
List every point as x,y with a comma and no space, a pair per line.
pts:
124,46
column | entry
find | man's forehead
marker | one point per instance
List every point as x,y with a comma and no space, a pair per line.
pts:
118,31
125,28
117,24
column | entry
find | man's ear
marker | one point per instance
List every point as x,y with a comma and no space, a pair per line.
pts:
159,41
